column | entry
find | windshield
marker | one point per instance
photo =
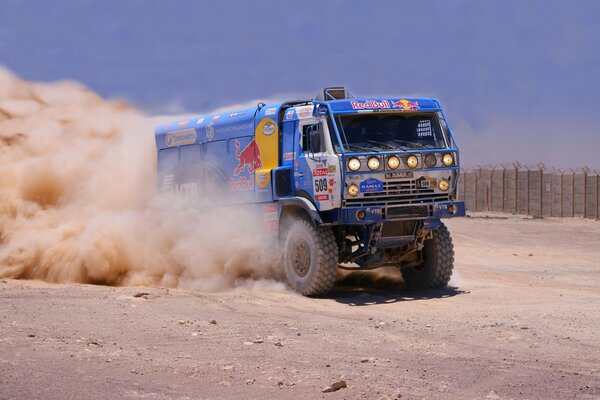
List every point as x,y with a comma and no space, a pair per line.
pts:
388,132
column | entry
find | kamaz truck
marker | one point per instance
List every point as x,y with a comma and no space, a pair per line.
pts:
342,182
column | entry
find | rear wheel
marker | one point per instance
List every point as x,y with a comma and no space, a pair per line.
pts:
438,263
310,257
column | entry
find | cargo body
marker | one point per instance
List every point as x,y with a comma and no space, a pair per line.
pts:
342,181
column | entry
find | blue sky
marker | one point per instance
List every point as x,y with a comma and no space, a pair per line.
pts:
519,79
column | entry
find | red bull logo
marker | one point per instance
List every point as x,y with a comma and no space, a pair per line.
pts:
406,105
248,158
369,104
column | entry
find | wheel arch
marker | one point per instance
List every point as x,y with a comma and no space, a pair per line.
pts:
299,207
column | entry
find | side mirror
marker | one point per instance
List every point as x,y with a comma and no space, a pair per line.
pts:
314,138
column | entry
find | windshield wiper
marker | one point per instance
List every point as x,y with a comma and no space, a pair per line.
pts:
355,147
381,144
411,145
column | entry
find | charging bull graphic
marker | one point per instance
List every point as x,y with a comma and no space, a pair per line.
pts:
248,157
406,105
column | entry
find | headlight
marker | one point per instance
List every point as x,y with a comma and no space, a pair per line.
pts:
412,161
373,163
354,164
430,160
393,162
353,190
447,159
443,185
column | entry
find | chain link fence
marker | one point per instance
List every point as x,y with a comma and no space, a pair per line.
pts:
531,190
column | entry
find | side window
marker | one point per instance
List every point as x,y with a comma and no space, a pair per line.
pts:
312,139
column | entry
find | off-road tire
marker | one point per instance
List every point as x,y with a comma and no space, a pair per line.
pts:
310,257
438,256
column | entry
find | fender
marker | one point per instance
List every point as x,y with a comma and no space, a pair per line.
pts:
304,204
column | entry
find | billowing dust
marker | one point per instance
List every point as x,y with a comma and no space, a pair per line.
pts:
78,201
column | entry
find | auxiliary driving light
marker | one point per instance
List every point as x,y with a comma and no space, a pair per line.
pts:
412,161
447,159
430,160
443,185
393,162
373,163
354,164
353,190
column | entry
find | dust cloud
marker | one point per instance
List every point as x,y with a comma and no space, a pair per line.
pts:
78,201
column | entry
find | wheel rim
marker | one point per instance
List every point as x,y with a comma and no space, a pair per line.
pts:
301,258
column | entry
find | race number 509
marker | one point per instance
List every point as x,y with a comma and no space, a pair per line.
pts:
321,185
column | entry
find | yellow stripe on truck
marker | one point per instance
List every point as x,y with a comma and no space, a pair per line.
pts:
267,139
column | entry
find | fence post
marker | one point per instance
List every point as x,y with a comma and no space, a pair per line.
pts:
552,196
477,191
503,185
541,167
516,165
597,194
562,190
528,190
586,171
465,185
573,192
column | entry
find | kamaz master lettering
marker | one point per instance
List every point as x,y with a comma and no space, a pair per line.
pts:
343,182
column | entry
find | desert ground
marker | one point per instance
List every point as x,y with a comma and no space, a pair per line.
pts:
521,320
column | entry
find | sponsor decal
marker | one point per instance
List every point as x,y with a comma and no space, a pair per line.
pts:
331,181
240,184
234,128
331,169
180,138
356,177
216,117
403,105
304,111
288,156
237,114
268,128
371,185
248,157
322,197
184,192
270,217
406,105
210,131
182,123
372,210
270,111
320,172
398,175
200,120
262,179
370,104
289,114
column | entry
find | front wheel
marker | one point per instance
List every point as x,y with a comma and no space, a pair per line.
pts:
438,262
310,257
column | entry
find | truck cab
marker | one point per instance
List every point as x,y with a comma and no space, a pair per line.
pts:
355,183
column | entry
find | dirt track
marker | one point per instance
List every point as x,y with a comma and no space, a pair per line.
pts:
523,322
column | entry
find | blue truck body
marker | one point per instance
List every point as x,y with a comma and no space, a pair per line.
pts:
337,162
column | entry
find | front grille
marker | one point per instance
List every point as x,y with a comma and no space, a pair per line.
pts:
397,192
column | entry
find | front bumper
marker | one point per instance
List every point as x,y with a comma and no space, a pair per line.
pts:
374,214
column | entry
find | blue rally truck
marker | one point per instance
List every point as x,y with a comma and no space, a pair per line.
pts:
361,182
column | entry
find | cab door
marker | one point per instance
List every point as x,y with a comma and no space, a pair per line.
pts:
318,166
